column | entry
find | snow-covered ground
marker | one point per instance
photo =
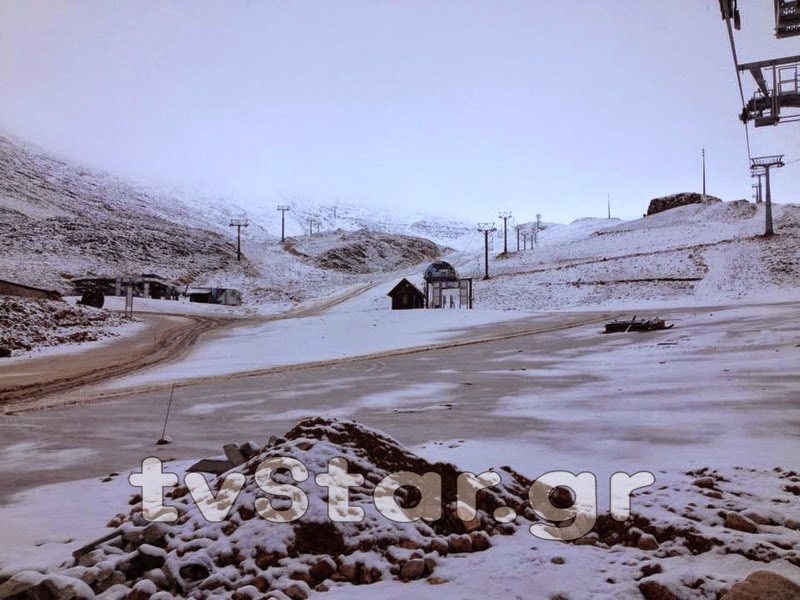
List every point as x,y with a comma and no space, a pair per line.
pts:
714,398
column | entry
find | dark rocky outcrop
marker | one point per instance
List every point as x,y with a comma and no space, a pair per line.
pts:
658,205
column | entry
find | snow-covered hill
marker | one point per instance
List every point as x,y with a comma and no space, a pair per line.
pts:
59,221
698,254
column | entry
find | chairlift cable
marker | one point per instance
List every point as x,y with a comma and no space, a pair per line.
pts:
741,88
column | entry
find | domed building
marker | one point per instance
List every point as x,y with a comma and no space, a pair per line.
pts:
444,288
440,271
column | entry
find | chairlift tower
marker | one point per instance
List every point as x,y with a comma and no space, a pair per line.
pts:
239,223
763,164
505,216
787,18
283,208
777,97
778,85
486,229
757,187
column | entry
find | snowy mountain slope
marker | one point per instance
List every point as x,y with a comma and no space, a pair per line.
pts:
59,221
702,253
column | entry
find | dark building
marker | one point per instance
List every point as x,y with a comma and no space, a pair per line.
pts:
9,288
406,295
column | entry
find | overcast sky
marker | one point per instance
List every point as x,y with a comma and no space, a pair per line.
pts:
462,106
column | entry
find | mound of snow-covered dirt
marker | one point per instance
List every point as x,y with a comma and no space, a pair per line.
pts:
27,324
362,251
690,535
245,553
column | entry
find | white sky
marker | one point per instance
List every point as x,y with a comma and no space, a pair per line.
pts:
463,107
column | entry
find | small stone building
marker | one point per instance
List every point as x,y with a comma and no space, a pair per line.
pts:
146,285
226,296
405,295
9,288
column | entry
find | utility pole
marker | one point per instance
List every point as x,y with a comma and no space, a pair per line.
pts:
704,171
239,223
762,164
283,208
505,216
524,241
517,228
536,229
310,226
486,228
608,200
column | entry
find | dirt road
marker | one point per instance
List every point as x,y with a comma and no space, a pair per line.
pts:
165,338
43,382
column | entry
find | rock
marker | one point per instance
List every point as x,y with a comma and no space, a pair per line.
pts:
349,571
233,454
20,583
472,525
154,534
480,541
297,591
654,569
300,573
266,559
763,585
247,592
658,205
194,572
590,539
249,449
440,545
5,352
322,569
142,591
740,523
430,565
647,542
558,560
151,557
436,580
262,582
461,543
758,518
654,590
58,587
119,592
792,524
706,483
413,569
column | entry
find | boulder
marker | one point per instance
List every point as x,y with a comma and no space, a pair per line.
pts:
658,205
764,584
